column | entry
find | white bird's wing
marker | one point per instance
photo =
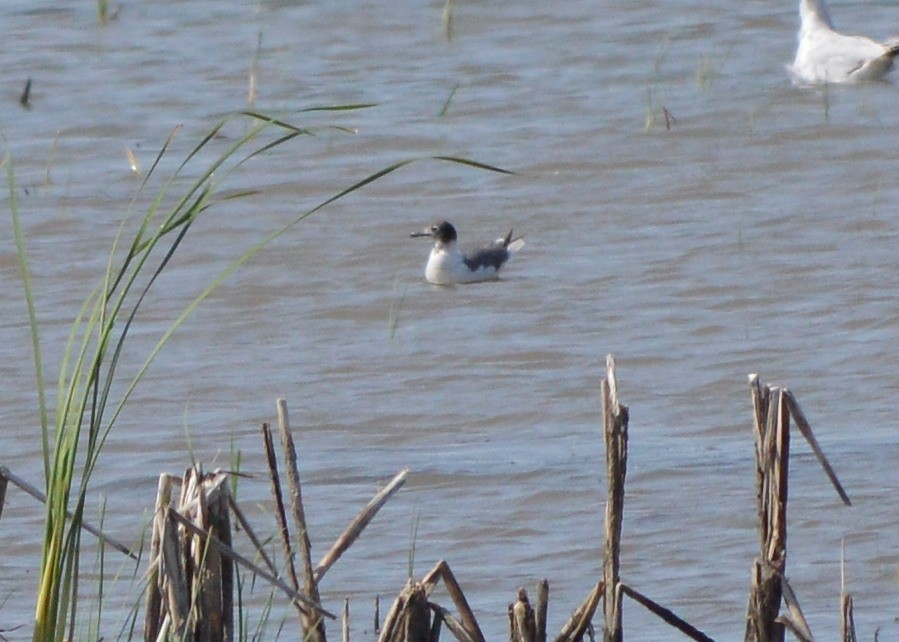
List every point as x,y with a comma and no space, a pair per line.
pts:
825,55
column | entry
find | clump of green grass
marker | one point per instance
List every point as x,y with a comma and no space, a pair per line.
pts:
86,410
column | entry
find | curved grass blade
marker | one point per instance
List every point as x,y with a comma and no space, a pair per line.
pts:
32,315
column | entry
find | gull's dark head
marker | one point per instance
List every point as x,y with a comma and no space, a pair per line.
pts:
442,232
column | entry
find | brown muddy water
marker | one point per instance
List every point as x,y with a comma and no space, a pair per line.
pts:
758,234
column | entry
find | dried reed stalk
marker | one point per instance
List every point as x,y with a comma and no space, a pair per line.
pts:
354,530
455,626
522,621
772,441
152,618
7,475
796,621
345,619
847,621
396,627
577,624
256,570
615,419
666,614
3,483
540,610
281,516
313,625
441,571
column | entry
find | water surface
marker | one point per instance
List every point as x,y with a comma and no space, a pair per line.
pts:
757,234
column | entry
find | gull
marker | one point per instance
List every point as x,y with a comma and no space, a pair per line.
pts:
447,264
827,56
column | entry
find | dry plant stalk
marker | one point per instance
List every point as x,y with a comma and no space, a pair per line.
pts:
540,610
615,419
405,605
772,447
6,475
666,614
772,409
191,577
190,584
522,620
577,624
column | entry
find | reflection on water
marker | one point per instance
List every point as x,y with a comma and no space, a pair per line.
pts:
756,235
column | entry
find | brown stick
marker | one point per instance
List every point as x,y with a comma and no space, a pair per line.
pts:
248,529
796,622
313,627
615,419
847,621
280,512
209,621
577,624
522,624
540,609
177,594
393,614
772,468
354,530
259,572
377,623
806,430
417,616
345,618
6,474
666,614
223,523
3,484
442,571
455,627
153,609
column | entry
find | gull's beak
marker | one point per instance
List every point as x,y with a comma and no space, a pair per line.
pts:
425,232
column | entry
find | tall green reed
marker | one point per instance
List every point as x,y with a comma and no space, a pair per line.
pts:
85,411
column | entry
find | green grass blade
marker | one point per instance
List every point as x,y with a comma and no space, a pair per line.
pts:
32,315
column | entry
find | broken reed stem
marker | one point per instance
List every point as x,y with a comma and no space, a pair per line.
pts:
242,561
208,563
666,614
540,610
436,627
251,534
847,621
522,621
455,626
579,621
772,468
796,621
393,614
416,616
313,626
377,623
345,619
3,483
615,419
354,530
152,621
222,522
7,475
280,512
806,430
442,571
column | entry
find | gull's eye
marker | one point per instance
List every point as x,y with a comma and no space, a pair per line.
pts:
434,228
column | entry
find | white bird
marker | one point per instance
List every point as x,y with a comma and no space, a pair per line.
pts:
447,264
827,56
